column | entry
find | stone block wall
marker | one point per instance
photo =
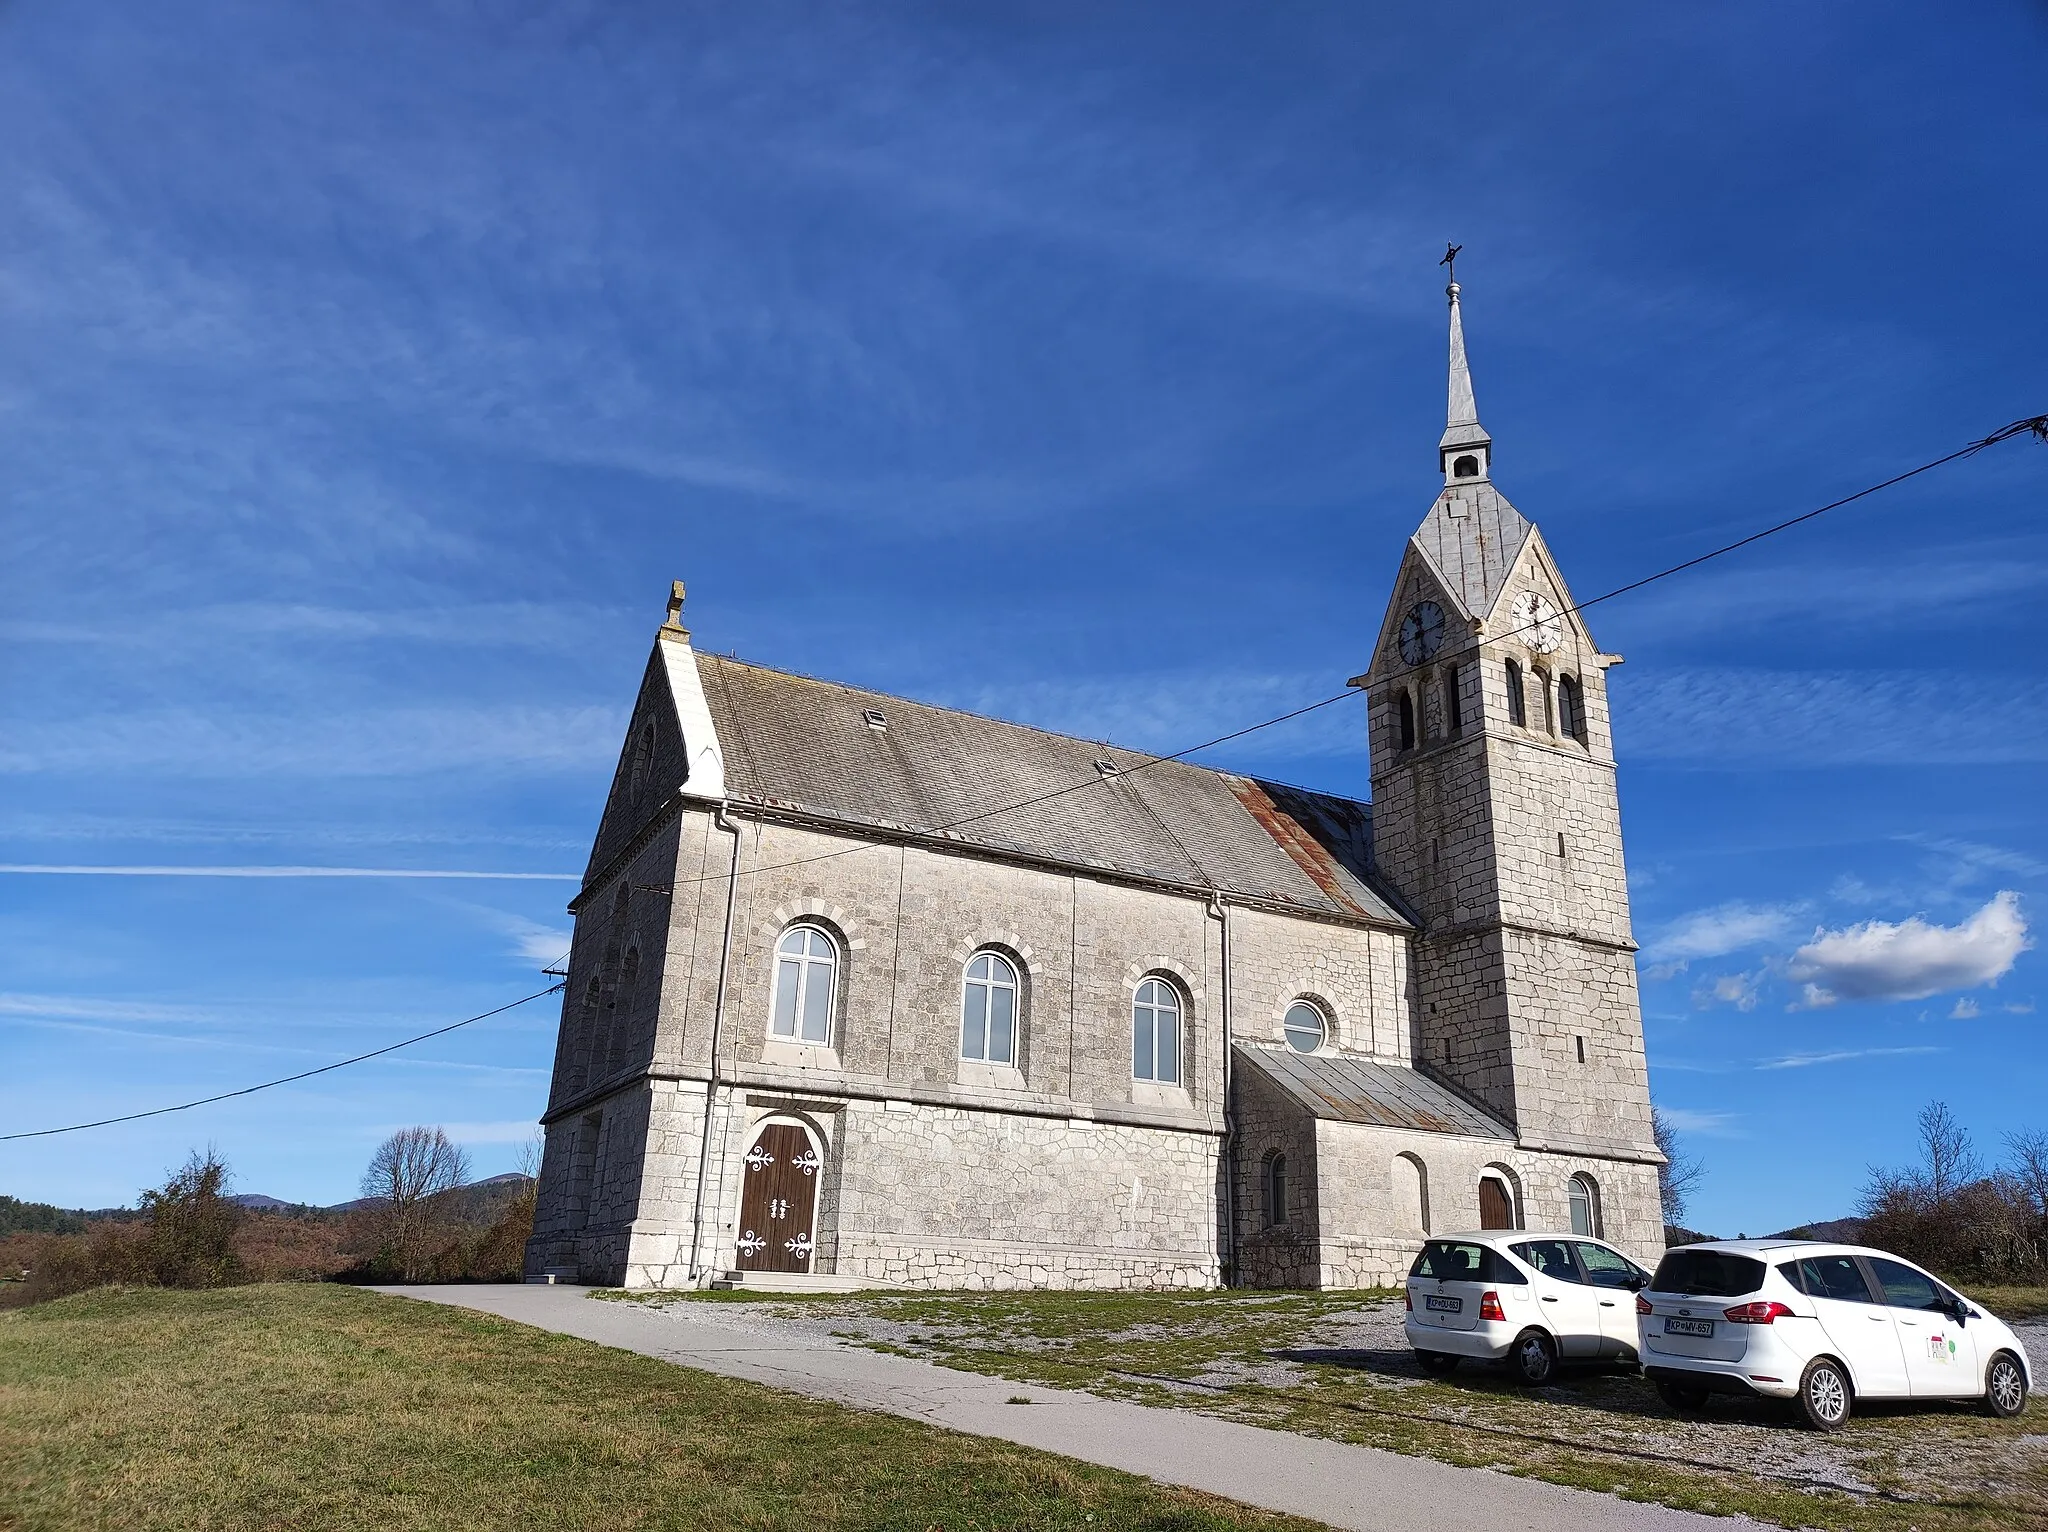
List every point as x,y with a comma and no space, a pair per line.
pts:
1288,1253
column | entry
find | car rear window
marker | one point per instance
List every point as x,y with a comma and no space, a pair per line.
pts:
1708,1274
1453,1260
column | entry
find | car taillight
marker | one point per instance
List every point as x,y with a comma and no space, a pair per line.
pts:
1643,1305
1759,1313
1489,1307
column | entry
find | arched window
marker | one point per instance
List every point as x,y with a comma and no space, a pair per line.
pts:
586,1034
1543,714
1571,714
1466,467
806,974
1275,1190
988,1010
1404,721
1155,1033
1454,712
619,1046
1585,1200
643,760
1304,1027
1411,1195
1518,704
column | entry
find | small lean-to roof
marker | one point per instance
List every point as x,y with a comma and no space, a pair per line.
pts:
1341,1088
806,745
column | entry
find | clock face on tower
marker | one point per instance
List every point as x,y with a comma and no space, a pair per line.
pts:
1536,622
1422,632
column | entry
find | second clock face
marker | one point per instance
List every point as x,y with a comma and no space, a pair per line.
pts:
1422,632
1536,622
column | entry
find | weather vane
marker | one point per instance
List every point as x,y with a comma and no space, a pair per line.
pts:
1451,259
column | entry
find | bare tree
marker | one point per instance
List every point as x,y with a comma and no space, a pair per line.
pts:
1679,1174
409,1169
2028,1166
1948,1160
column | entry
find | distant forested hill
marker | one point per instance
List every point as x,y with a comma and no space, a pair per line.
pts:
18,1217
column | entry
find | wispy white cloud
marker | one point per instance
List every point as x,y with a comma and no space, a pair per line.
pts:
1911,959
1732,717
1741,990
1841,1056
1965,1009
222,743
261,871
1707,1124
1731,927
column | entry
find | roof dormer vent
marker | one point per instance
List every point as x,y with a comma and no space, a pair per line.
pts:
1108,769
872,717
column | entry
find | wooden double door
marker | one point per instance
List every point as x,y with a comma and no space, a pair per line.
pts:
779,1201
1496,1207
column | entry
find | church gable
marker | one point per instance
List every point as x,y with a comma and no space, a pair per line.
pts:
651,766
1535,571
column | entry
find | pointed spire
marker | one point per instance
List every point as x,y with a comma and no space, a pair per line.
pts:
1464,440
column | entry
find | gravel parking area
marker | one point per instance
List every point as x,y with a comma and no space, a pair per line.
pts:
1337,1365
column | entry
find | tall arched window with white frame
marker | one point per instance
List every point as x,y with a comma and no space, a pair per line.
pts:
1155,1032
1585,1205
988,1010
806,980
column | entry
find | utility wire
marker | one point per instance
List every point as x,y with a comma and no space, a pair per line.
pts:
250,1090
2036,424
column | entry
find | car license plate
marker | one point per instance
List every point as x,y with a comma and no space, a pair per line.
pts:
1689,1327
1444,1305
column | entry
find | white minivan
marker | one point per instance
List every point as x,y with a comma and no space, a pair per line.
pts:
1823,1324
1529,1299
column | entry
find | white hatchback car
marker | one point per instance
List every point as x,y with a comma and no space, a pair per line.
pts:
1823,1324
1529,1299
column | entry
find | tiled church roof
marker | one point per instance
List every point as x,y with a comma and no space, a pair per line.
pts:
799,743
1342,1088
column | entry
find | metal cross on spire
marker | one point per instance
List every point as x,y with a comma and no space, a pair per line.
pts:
1451,260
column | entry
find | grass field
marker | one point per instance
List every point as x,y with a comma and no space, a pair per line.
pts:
1337,1365
323,1407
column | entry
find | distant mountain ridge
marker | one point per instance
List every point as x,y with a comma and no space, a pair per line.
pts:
19,1217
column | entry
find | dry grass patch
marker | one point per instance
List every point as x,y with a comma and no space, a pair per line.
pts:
323,1407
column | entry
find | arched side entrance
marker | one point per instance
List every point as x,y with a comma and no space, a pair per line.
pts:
1498,1199
780,1173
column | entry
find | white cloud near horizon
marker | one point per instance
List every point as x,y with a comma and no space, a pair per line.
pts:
1911,959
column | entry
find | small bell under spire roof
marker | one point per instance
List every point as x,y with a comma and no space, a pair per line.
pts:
1466,451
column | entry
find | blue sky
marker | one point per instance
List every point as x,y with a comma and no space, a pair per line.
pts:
366,374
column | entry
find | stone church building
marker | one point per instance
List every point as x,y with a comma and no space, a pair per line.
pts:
866,991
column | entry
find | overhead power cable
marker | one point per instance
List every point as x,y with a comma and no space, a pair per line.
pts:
2037,425
305,1074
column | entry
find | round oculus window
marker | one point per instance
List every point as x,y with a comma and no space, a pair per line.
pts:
1303,1028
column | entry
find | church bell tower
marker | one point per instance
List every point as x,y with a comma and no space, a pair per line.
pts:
1495,814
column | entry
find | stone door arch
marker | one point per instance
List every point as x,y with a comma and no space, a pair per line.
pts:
779,1176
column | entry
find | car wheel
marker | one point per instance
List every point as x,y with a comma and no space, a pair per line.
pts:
1824,1394
2005,1386
1686,1398
1436,1361
1534,1358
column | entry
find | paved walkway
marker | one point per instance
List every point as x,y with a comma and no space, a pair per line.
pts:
1352,1487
